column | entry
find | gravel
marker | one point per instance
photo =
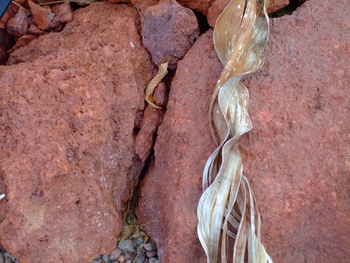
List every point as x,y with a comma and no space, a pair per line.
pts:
105,259
127,245
150,246
153,260
151,254
133,250
115,254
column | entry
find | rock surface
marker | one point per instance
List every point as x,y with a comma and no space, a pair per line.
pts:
218,6
201,6
63,14
18,24
168,31
215,10
42,15
296,157
67,116
144,140
171,189
141,5
276,5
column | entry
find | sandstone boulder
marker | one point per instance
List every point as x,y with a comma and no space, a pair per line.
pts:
296,157
68,106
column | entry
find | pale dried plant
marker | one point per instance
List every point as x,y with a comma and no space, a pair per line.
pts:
229,223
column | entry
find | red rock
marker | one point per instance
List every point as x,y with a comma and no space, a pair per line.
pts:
145,138
17,25
215,10
63,14
22,41
34,30
297,155
141,5
42,15
160,95
201,6
218,6
67,116
171,189
168,31
276,5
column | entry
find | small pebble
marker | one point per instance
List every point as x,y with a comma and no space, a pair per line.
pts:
121,259
98,260
105,259
139,241
129,255
141,257
126,245
9,256
151,254
115,254
153,260
149,246
8,260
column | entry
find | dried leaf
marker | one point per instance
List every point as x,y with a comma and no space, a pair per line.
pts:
227,209
162,71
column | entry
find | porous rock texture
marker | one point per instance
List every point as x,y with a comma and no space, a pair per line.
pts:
172,187
144,140
201,6
67,118
141,5
296,157
168,31
275,5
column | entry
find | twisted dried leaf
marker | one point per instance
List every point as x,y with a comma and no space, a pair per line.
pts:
162,72
227,209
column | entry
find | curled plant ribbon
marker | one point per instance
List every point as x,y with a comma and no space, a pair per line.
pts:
162,71
227,211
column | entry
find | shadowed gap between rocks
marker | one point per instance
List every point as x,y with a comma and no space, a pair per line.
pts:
202,22
132,229
131,204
